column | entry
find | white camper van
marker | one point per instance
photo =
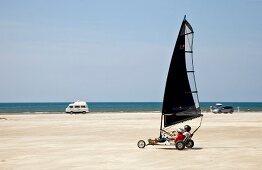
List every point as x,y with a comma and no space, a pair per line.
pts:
77,107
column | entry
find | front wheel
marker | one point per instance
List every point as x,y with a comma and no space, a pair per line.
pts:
190,144
141,144
180,145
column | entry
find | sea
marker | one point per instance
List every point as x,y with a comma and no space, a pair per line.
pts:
59,107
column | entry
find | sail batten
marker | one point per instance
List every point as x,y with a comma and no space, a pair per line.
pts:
189,33
180,101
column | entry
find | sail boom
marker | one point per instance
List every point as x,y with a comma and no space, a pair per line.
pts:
185,119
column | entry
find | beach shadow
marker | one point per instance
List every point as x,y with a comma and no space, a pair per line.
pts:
186,149
2,118
196,148
206,148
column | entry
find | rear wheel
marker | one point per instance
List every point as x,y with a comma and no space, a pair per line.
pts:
141,144
190,144
180,145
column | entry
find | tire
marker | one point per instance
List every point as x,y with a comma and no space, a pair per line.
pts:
190,144
84,112
180,145
71,112
141,144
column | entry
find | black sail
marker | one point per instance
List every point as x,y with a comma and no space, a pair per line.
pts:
180,99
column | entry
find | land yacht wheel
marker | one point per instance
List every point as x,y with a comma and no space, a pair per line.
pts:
141,144
180,145
190,144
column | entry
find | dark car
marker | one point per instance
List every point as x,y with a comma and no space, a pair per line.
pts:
223,109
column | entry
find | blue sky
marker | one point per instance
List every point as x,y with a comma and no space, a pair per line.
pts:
120,50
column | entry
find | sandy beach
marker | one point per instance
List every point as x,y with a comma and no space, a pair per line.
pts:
109,141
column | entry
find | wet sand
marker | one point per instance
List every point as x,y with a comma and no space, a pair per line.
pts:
108,141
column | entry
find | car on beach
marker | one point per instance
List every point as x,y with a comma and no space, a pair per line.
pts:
77,107
223,109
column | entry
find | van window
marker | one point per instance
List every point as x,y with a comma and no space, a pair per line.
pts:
83,106
77,106
70,106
